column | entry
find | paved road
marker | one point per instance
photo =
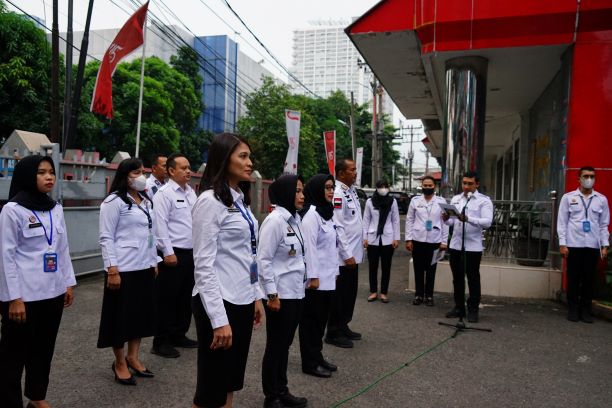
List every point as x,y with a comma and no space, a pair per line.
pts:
533,358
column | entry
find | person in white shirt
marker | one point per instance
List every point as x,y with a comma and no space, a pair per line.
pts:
381,233
347,212
425,232
321,242
227,294
476,215
173,203
127,241
582,226
281,260
158,175
36,280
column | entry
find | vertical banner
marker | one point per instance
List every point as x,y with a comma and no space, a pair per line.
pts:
359,165
292,121
330,150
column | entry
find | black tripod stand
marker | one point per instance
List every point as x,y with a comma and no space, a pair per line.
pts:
460,326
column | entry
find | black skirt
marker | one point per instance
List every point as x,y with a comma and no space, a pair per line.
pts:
127,312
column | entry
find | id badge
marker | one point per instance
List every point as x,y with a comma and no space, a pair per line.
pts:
150,241
50,262
292,251
305,271
428,225
253,273
586,226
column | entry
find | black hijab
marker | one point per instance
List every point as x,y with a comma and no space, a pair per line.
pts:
314,193
24,189
282,192
383,205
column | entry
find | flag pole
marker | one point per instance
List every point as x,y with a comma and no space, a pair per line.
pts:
142,69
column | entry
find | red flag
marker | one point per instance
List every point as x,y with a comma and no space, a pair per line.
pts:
127,40
330,150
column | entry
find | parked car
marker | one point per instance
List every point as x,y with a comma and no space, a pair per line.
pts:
403,201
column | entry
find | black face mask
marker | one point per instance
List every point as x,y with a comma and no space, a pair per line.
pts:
428,191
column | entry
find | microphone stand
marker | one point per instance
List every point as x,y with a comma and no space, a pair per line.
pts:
460,326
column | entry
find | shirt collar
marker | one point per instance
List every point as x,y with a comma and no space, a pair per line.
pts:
155,179
344,187
593,193
174,185
282,211
237,195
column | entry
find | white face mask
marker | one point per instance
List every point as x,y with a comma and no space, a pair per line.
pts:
138,183
382,191
587,183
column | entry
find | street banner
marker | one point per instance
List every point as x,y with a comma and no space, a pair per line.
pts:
330,150
292,122
359,165
129,38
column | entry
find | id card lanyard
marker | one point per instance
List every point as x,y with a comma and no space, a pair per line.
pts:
586,224
249,220
49,257
428,208
150,221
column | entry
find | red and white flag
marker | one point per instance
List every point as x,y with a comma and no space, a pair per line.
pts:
129,38
330,150
292,122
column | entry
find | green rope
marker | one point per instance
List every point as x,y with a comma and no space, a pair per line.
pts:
389,374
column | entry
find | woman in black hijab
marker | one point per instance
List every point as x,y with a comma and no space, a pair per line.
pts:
36,280
381,233
321,242
280,258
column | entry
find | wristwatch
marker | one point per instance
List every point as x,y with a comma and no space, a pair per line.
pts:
273,296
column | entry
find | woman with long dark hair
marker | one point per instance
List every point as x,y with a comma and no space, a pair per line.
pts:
226,300
381,234
321,242
36,280
127,240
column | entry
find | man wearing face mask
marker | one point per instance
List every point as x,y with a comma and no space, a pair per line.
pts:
582,226
173,203
425,232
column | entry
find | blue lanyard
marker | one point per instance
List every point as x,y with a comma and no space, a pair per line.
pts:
49,237
586,207
249,220
149,219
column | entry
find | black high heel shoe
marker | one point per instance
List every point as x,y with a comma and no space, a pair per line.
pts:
146,373
123,381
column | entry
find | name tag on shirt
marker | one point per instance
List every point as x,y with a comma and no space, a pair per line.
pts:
291,234
180,201
233,210
35,225
50,262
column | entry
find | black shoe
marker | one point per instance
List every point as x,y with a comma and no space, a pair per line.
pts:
273,403
472,316
318,371
352,335
417,301
586,317
343,342
572,316
185,342
123,381
290,400
146,373
165,350
455,312
429,301
331,367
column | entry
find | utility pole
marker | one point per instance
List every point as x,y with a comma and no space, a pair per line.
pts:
410,157
55,114
379,131
426,160
353,125
68,79
374,134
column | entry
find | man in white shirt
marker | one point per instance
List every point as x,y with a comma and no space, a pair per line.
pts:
476,215
582,226
172,205
158,175
347,213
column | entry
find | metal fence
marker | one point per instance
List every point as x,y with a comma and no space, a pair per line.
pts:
524,232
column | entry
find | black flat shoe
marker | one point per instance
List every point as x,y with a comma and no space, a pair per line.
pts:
429,301
317,371
289,400
166,351
417,301
329,366
123,381
144,373
372,297
342,342
185,342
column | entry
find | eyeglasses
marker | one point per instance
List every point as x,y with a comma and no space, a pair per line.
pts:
329,187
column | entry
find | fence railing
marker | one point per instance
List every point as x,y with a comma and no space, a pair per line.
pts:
523,232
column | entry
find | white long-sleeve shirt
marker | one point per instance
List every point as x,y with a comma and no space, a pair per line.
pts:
173,205
347,215
480,216
153,185
572,214
281,255
391,230
23,245
419,212
222,255
321,241
125,236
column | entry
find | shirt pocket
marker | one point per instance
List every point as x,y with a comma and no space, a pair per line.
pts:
180,204
576,212
33,232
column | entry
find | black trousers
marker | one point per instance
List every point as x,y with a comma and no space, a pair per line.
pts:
280,330
317,304
173,288
424,271
581,271
30,345
469,266
343,301
384,253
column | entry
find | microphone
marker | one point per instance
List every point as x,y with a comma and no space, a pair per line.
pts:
469,196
